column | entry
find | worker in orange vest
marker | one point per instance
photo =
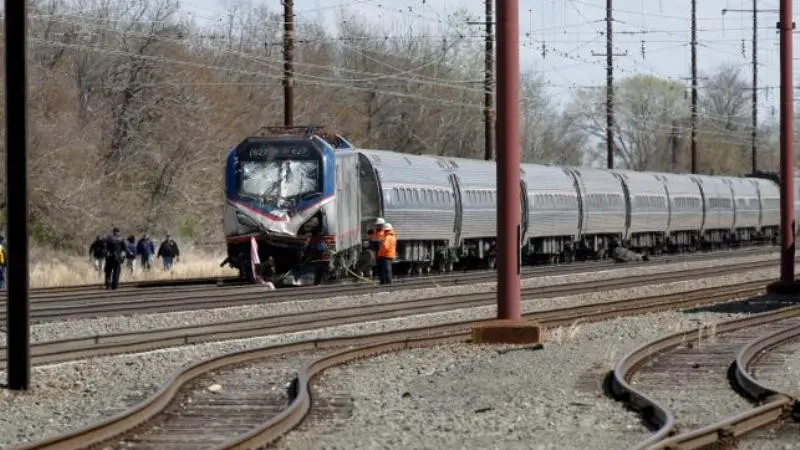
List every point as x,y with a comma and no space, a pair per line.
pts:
375,235
387,253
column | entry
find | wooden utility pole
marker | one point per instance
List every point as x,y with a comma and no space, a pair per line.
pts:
609,54
288,63
488,97
694,87
488,82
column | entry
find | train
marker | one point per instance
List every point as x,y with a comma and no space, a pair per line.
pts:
303,195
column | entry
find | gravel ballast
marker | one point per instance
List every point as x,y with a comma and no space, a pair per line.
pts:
71,394
466,396
107,325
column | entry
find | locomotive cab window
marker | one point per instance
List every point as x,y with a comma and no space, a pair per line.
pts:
281,172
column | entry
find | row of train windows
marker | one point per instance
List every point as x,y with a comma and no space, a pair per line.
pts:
482,198
650,202
404,196
555,200
605,200
686,203
717,203
401,196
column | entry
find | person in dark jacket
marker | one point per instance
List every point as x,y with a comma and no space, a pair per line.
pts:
115,254
97,251
168,252
130,253
145,249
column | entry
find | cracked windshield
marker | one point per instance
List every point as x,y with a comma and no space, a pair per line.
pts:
281,176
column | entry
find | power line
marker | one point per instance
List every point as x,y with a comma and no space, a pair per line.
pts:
754,88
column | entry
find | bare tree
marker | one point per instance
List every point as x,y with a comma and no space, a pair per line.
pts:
645,107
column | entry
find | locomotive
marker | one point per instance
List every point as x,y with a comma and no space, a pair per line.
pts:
303,195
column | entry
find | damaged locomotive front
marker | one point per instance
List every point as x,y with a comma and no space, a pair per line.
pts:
275,216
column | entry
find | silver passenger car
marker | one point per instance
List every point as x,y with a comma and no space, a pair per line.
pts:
478,184
686,207
649,208
718,205
747,209
553,207
770,199
603,201
418,197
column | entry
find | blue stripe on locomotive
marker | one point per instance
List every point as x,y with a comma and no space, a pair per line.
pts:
328,180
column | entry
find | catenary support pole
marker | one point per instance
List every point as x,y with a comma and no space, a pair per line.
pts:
786,26
694,87
288,63
18,331
488,100
508,161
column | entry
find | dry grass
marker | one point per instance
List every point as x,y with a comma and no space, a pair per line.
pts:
63,270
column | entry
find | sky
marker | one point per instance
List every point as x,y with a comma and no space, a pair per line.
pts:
558,37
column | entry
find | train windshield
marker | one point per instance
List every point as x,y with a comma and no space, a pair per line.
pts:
281,173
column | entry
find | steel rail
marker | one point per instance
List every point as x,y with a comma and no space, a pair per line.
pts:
180,301
131,287
772,406
119,343
370,345
661,417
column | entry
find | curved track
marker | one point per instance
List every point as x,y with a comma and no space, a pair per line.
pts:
91,305
75,348
684,362
165,410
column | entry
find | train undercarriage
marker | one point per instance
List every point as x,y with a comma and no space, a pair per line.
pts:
289,261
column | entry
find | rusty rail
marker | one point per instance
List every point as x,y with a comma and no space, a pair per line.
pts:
665,437
116,343
369,345
127,286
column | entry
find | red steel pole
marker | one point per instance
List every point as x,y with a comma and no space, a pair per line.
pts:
509,302
786,25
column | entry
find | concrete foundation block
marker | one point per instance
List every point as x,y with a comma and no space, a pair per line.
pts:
507,332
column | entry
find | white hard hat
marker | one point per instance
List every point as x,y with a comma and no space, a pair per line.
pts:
380,221
388,227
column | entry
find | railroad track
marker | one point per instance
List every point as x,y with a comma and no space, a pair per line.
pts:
141,426
193,284
91,305
117,343
685,363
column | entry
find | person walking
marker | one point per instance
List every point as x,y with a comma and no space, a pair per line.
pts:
115,254
130,254
387,253
3,262
145,249
168,252
97,251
